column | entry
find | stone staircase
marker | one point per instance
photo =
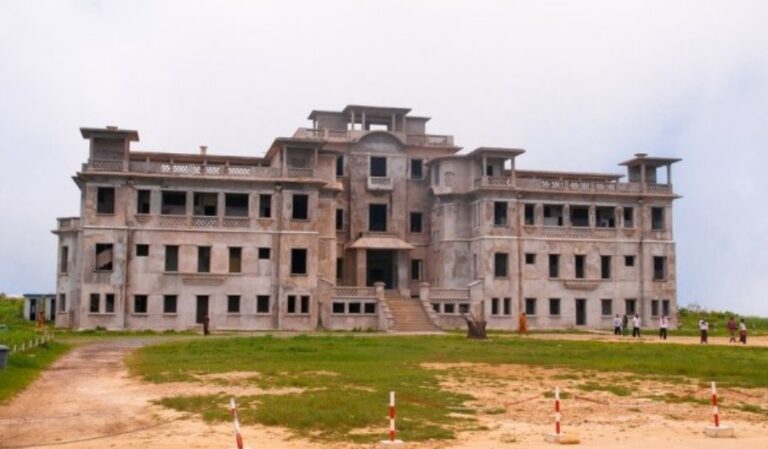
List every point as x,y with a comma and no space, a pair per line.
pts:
409,315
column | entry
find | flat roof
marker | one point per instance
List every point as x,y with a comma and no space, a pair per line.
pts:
567,174
194,157
380,109
110,132
641,158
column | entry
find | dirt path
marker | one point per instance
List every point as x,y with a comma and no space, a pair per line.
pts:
649,337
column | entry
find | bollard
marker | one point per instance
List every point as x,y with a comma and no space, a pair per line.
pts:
717,430
392,432
235,423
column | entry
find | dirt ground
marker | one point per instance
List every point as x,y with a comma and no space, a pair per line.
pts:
88,400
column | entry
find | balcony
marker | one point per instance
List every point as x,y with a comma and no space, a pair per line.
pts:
343,135
379,183
299,172
493,181
196,222
68,224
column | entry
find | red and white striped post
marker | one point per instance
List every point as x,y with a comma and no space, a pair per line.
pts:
236,423
557,410
715,413
392,432
717,430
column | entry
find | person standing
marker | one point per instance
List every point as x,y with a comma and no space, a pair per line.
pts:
742,332
663,326
206,324
636,326
703,330
732,330
624,325
523,327
617,325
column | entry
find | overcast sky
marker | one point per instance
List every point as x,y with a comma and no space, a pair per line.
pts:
580,85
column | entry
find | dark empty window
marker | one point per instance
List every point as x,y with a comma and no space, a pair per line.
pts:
378,166
338,307
416,222
507,303
489,170
629,261
235,260
205,203
140,304
494,306
554,306
553,215
143,201
654,307
606,307
109,303
529,217
142,250
339,219
305,304
171,258
369,308
579,216
298,304
629,217
416,266
104,257
264,253
170,303
530,258
340,166
500,213
62,302
417,169
605,267
105,200
236,204
355,307
657,218
262,304
530,306
500,261
298,261
64,260
173,203
554,265
203,259
579,266
377,217
659,268
93,306
300,206
339,270
233,304
665,307
265,205
629,306
605,217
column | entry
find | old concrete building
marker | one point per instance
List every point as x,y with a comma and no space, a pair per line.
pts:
361,221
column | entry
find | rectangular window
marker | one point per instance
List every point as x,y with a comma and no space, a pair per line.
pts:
530,258
109,300
606,307
659,268
64,262
605,217
463,308
205,203
436,307
507,306
436,174
665,307
416,267
579,216
300,206
355,307
233,304
235,260
340,166
499,213
105,200
143,201
494,306
170,303
529,218
236,204
265,205
93,306
629,307
378,166
654,307
629,217
62,302
449,308
264,253
530,306
140,304
338,307
417,169
579,266
305,304
377,217
291,306
339,270
262,304
104,257
500,265
142,250
298,261
416,222
629,261
339,219
203,259
554,306
554,265
173,203
298,305
605,267
657,218
171,258
553,215
369,308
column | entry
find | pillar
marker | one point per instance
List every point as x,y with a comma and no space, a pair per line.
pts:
360,267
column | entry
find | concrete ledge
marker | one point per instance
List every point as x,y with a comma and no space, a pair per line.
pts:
719,432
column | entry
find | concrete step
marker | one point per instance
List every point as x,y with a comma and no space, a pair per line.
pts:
409,315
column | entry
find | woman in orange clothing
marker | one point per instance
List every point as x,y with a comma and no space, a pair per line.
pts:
523,329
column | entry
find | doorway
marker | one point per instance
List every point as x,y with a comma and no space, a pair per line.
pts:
380,267
202,308
581,312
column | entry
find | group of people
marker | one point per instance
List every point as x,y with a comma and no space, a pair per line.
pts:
621,326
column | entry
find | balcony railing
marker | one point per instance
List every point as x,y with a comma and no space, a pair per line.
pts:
379,183
199,222
299,172
430,140
343,135
493,181
201,170
354,292
449,293
68,223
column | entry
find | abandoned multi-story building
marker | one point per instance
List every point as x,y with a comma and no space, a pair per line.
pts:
361,221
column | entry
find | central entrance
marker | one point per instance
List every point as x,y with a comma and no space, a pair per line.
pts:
380,265
581,312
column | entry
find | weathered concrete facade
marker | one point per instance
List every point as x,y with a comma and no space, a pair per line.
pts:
338,221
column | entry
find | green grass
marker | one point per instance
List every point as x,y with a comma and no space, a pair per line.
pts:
19,330
346,379
688,322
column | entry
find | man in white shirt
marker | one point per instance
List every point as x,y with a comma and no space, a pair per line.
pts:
663,326
704,329
617,325
636,326
742,332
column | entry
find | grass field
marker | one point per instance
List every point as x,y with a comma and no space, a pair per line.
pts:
688,322
346,379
